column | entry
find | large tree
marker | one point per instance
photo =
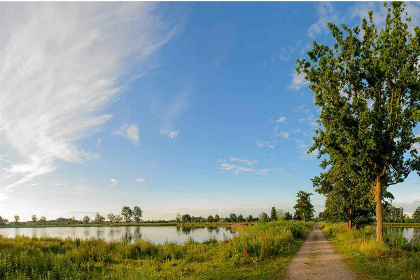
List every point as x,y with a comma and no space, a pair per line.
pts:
304,208
367,87
416,215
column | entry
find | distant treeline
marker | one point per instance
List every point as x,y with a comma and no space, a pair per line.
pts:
303,211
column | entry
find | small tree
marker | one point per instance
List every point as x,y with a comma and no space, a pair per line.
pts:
233,217
137,213
127,213
263,217
416,215
17,218
304,207
186,218
43,220
210,219
273,213
86,219
99,219
216,218
118,219
288,216
111,218
34,218
249,218
178,218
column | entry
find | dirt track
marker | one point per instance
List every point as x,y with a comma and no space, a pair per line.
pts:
317,260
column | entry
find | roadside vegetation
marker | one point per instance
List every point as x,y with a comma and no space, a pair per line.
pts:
259,251
396,258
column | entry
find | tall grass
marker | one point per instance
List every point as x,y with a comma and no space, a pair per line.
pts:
396,258
54,258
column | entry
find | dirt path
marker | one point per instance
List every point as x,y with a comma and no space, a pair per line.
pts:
317,260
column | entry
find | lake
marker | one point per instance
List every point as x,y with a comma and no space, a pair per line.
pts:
408,233
155,234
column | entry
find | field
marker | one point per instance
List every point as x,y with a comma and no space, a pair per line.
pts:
259,251
397,258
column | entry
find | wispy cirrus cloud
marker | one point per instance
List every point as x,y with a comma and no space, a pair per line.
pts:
237,169
61,65
173,111
129,131
265,144
326,13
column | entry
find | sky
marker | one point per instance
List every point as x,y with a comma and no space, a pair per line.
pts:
174,107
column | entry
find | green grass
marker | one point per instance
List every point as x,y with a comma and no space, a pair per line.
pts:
259,251
410,225
396,258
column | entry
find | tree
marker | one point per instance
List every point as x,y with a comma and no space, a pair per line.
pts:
367,87
186,218
416,215
111,218
273,213
178,218
304,207
34,218
210,219
118,219
43,220
263,217
3,222
288,216
216,218
17,218
86,220
127,213
137,213
249,218
240,218
233,217
99,219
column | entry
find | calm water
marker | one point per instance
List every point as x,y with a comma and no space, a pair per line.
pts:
155,234
408,233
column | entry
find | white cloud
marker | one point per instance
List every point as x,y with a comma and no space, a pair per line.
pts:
265,144
247,161
129,131
61,64
282,134
240,169
174,110
140,180
298,81
113,181
326,13
281,119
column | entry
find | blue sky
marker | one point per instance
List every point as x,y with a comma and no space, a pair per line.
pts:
174,107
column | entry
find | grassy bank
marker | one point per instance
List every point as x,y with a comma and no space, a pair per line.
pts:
397,258
260,251
410,225
144,224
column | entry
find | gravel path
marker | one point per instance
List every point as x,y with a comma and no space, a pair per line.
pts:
317,260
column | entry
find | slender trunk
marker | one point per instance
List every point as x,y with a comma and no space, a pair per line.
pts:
303,214
349,222
379,221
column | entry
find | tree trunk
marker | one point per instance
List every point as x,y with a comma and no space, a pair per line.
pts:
303,214
378,201
349,227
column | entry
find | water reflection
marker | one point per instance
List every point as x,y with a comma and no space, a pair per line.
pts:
155,234
408,233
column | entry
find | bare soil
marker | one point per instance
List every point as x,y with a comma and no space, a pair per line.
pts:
317,260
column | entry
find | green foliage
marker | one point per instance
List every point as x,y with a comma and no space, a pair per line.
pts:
137,214
86,219
273,213
304,208
127,213
416,215
263,217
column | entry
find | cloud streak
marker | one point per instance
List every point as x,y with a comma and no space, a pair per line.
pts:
61,64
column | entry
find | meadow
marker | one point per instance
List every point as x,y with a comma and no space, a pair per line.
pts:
259,251
396,258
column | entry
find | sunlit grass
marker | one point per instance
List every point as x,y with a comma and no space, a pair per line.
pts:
259,251
396,258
